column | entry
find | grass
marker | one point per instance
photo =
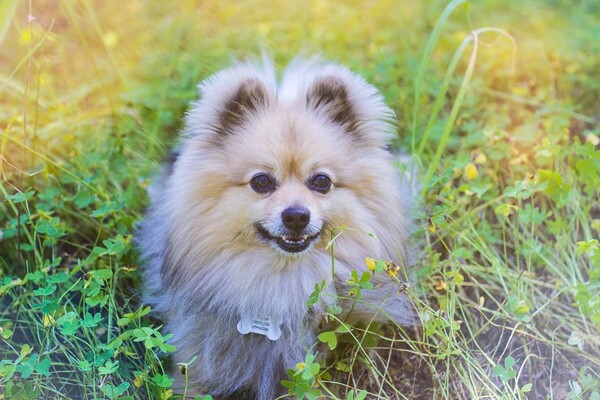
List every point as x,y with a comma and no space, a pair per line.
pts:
497,100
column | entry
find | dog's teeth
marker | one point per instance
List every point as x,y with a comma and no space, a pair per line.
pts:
294,241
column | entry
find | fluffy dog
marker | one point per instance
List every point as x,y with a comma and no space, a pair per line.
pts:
235,239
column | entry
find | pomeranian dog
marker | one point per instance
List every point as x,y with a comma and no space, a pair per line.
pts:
236,236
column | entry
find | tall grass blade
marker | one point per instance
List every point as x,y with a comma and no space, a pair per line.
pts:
7,12
455,109
473,37
429,47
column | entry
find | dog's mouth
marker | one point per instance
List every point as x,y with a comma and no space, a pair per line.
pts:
290,242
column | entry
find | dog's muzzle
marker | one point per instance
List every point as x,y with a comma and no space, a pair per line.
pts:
296,237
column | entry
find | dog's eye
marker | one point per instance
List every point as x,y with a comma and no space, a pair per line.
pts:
320,183
262,183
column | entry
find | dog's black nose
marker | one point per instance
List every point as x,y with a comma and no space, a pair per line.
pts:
296,217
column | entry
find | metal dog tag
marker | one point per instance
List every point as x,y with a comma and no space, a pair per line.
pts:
261,325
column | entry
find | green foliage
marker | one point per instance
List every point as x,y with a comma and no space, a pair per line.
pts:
357,285
506,372
303,379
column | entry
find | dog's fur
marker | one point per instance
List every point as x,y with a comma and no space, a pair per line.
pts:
207,266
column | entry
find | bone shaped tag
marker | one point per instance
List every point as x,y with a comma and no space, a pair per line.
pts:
261,325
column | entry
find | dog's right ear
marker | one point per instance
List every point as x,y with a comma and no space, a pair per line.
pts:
229,99
249,97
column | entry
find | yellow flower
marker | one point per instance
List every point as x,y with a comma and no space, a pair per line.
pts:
110,39
138,381
300,366
441,285
370,263
392,269
480,159
47,320
471,171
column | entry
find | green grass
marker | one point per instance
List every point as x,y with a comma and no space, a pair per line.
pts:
498,101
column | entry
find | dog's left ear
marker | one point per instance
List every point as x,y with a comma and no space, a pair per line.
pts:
330,95
344,98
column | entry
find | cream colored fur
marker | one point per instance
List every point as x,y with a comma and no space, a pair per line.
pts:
206,266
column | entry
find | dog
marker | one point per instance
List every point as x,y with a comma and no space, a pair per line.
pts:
238,230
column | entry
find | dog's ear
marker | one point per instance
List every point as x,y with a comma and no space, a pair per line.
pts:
250,96
229,99
330,95
341,96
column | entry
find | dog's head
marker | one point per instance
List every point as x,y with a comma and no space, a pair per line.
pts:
267,165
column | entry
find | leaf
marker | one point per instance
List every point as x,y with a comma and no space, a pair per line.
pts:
60,277
108,368
330,338
94,300
90,321
342,366
26,368
509,375
504,209
576,339
106,209
359,396
25,350
343,329
162,380
576,389
167,348
366,277
69,327
379,266
315,295
43,366
589,246
19,197
50,306
102,273
84,365
128,317
461,252
527,388
334,309
113,344
509,362
113,392
45,291
498,370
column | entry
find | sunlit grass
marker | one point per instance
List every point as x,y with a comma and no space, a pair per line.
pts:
498,102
